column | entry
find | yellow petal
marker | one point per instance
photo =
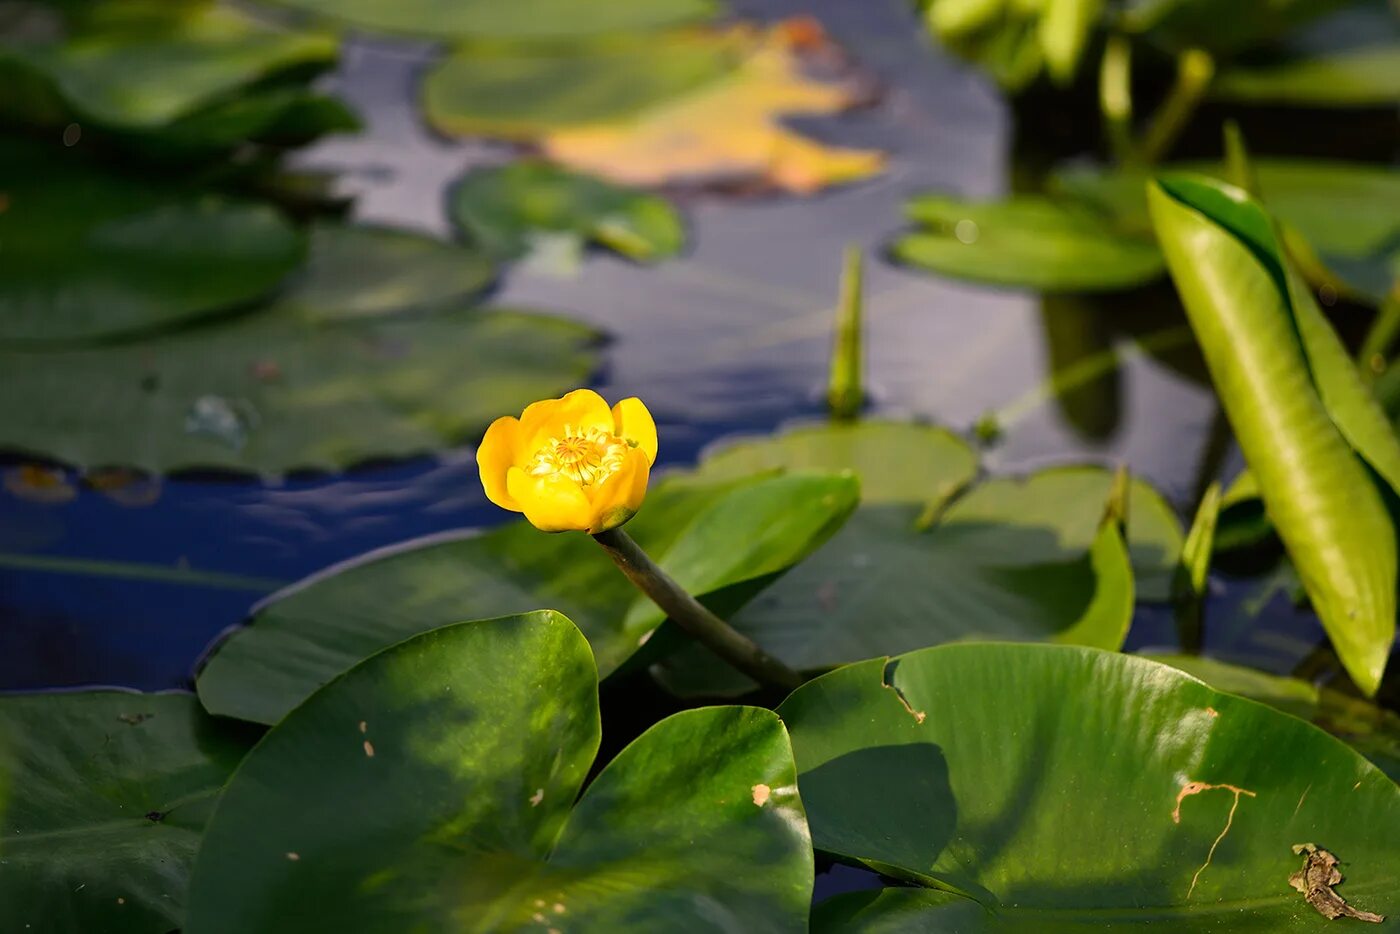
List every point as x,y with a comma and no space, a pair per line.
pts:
499,451
633,423
552,504
581,409
618,498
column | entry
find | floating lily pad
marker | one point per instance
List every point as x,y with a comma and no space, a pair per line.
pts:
141,66
87,255
1317,443
1027,241
522,92
1348,212
1367,727
1059,788
1360,77
374,353
704,107
521,20
1023,559
722,540
509,211
434,786
109,793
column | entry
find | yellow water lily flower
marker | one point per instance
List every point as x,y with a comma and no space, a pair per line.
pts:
570,463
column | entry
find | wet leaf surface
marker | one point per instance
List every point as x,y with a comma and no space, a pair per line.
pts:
463,775
377,351
977,763
109,793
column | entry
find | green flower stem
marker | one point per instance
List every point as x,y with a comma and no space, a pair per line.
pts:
705,627
1194,71
1374,356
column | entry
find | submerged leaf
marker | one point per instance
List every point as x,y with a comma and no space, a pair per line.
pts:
721,542
109,793
1307,425
1059,788
375,352
436,787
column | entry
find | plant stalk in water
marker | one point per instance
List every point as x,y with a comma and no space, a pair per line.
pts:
1194,71
688,613
845,393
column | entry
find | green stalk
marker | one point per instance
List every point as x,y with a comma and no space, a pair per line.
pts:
1116,98
1374,355
845,392
1194,71
688,613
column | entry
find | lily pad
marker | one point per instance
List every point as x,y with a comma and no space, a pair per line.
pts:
1023,559
707,107
373,354
90,255
1059,788
1027,241
722,540
1367,727
148,62
1348,212
433,788
531,20
508,211
1368,76
109,793
1318,444
520,92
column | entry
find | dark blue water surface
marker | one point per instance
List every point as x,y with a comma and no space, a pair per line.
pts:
731,338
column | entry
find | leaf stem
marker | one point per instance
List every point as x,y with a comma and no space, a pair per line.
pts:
1194,71
688,613
1374,355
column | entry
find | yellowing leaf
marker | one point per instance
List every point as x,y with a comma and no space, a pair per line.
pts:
729,130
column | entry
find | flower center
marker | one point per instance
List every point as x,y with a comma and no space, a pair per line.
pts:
585,457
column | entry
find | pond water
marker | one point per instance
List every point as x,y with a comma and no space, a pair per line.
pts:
732,338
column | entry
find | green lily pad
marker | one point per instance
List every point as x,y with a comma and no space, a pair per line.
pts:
88,255
508,211
143,65
1348,212
1026,241
1368,728
521,92
1368,76
373,354
1319,446
109,793
433,788
533,20
1061,788
723,540
1023,559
